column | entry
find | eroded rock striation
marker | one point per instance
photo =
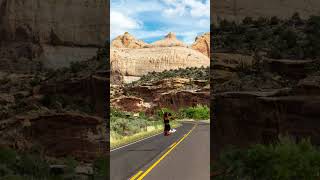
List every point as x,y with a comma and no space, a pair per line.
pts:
138,62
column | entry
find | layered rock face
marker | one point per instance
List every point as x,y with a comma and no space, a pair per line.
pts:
245,118
53,29
256,108
173,93
202,44
238,9
61,135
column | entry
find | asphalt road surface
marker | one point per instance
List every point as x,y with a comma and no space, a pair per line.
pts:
182,155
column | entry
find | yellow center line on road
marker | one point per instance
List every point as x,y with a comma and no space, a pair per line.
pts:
135,176
172,144
163,156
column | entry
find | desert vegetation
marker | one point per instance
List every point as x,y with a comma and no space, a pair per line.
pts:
199,112
195,73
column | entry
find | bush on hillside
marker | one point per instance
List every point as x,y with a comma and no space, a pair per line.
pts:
201,73
198,112
285,160
292,38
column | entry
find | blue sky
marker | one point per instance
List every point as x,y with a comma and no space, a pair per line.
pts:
151,20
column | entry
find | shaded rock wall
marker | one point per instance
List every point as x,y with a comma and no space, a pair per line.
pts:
61,135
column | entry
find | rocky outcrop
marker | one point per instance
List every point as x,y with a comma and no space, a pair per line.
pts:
61,135
176,100
293,69
138,62
245,118
92,89
152,91
238,9
170,40
174,93
253,106
202,44
68,30
128,41
130,104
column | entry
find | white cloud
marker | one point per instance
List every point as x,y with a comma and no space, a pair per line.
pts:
147,19
121,23
196,8
179,10
199,9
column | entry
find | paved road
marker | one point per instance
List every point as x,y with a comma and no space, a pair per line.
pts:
126,162
189,160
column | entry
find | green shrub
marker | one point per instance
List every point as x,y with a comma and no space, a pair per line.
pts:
201,73
33,165
101,168
285,160
198,112
8,156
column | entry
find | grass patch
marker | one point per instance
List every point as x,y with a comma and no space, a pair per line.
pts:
284,160
127,128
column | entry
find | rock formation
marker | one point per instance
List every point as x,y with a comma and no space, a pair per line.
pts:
173,93
202,44
250,108
128,41
61,135
54,33
44,110
131,58
170,40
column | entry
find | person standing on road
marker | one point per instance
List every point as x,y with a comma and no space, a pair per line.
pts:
166,121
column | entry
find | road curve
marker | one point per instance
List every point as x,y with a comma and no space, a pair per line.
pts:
189,160
127,161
